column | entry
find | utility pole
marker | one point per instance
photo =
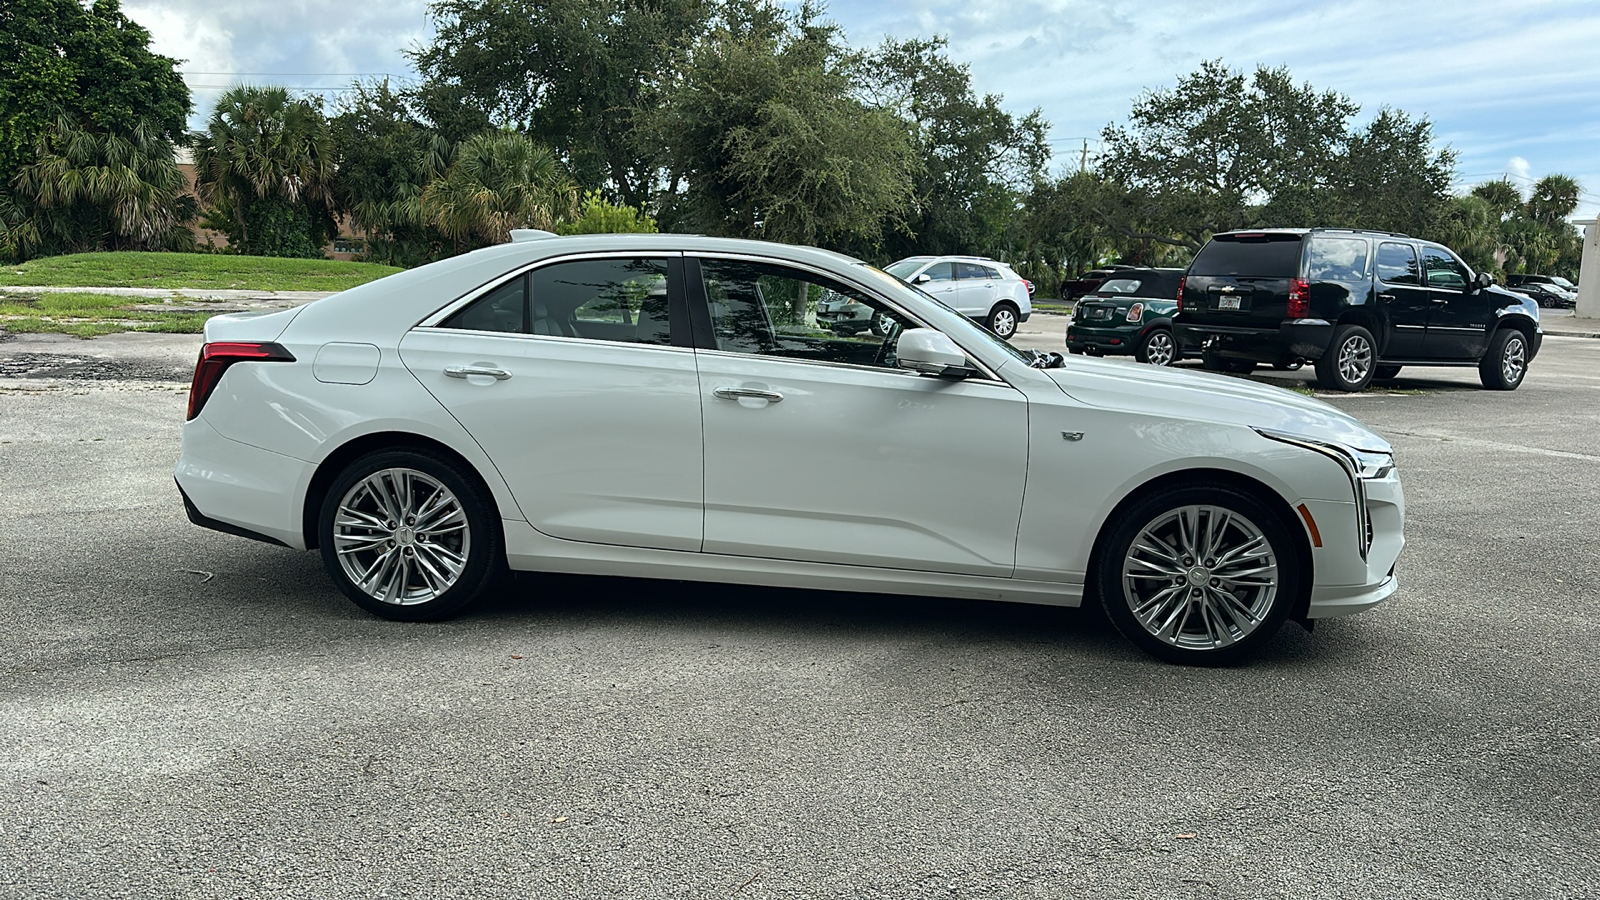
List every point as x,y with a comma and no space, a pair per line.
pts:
1083,161
1589,274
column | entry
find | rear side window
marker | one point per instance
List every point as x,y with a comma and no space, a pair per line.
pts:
1397,264
503,309
1266,255
1336,259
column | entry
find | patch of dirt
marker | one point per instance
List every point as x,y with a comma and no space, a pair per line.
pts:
89,368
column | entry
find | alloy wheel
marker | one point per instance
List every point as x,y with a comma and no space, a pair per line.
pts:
1160,350
1514,360
401,536
1005,322
1200,577
1355,359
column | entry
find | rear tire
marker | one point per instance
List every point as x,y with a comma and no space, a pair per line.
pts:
410,536
1003,320
1158,348
1156,586
1350,361
1506,363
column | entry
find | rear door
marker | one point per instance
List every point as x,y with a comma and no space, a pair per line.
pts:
1458,316
579,381
977,286
1402,295
1242,280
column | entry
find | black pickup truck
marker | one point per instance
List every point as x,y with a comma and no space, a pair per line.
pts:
1356,304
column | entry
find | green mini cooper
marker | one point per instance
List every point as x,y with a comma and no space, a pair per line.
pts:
1130,312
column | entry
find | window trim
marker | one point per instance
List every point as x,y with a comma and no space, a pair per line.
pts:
705,334
678,312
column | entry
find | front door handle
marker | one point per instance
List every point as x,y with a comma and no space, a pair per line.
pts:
735,393
494,372
1439,299
1385,296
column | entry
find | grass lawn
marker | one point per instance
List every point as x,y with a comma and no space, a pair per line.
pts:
90,315
191,270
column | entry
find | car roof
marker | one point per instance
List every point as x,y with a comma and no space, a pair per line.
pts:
1319,230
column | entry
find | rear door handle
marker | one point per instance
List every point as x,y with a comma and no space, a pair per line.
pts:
1385,296
1438,299
735,393
494,372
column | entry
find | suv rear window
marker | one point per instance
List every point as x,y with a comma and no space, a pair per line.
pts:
1270,255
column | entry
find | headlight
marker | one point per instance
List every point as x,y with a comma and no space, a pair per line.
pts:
1360,466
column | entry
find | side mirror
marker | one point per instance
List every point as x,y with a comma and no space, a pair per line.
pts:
929,352
1481,281
924,278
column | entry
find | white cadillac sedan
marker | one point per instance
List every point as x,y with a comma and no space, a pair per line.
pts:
668,406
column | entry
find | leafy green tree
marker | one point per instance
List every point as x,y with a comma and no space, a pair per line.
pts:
267,160
597,215
572,74
91,190
976,158
767,139
497,181
89,63
385,159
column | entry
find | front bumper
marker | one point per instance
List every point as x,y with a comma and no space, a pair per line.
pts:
1304,339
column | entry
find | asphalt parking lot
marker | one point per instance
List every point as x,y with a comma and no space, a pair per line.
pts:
188,714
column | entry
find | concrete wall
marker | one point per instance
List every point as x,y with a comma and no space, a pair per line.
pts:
1589,275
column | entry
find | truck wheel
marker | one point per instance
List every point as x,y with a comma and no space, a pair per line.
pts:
1350,361
1506,363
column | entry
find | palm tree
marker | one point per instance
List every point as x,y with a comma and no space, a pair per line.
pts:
87,190
497,181
270,159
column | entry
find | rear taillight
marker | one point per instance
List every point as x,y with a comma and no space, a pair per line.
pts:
1181,283
215,358
1136,312
1299,298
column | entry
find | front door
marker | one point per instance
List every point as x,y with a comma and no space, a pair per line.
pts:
819,448
1404,298
579,382
1458,316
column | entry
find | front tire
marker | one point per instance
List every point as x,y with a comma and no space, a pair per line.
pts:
1003,320
410,536
1200,575
1350,361
1506,363
1158,348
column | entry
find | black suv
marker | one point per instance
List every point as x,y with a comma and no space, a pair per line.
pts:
1358,304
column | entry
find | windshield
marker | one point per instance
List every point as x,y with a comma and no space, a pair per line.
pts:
942,316
903,269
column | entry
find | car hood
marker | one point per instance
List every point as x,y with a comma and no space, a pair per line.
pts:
1159,390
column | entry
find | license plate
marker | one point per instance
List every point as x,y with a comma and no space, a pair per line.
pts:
1228,302
1101,313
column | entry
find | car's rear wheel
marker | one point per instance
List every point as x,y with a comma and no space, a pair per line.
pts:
1506,363
409,535
1158,348
881,323
1199,575
1003,320
1350,361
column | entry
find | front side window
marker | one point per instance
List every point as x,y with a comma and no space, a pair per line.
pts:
1443,270
772,310
1397,264
940,272
1336,259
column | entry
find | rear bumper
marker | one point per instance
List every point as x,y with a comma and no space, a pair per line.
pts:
1102,340
1293,338
238,489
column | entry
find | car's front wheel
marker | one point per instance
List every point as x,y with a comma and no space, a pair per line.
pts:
1158,348
1003,320
1199,575
1506,363
1350,361
409,535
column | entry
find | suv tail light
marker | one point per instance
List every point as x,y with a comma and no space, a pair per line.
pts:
1299,298
215,358
1181,283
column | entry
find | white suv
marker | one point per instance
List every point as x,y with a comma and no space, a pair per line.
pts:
975,286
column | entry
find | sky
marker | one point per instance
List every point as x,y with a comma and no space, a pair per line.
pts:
1513,86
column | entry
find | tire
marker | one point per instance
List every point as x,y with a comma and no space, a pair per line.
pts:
1385,373
1158,348
881,324
1187,612
442,567
1003,320
1506,363
1218,363
1350,361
